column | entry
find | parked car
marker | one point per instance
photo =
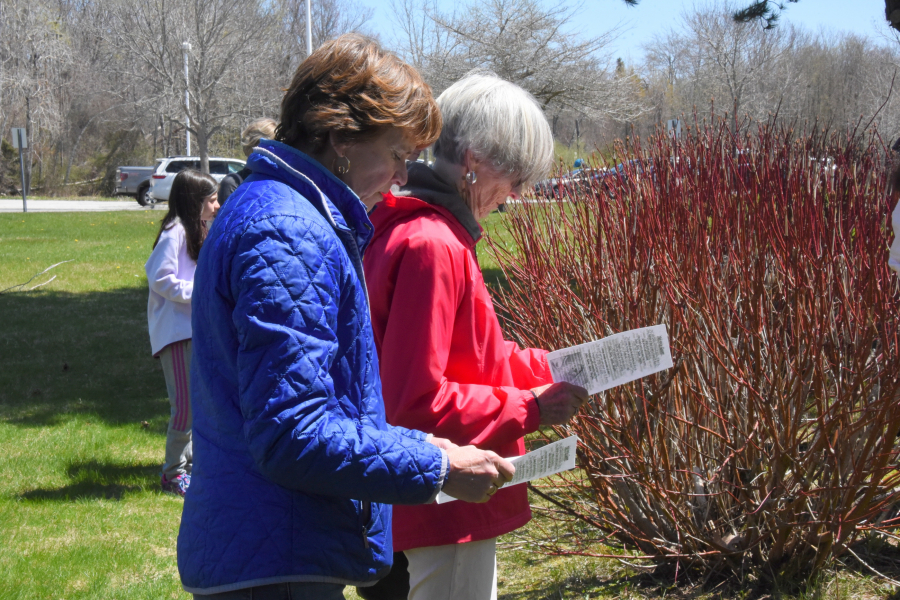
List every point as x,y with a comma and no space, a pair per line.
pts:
620,174
168,168
134,181
546,188
568,185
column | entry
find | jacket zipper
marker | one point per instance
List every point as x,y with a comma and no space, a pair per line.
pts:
366,515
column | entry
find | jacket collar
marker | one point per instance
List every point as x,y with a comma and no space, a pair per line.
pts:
338,203
423,183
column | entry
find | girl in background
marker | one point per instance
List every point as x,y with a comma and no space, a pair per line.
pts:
193,203
894,192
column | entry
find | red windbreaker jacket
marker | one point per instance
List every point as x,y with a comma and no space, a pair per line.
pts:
445,367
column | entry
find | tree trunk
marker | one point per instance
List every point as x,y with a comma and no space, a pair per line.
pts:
26,154
72,155
156,133
168,149
203,149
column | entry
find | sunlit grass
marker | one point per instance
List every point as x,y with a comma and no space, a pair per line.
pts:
83,412
108,249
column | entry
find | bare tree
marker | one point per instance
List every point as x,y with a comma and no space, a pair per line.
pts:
522,41
713,57
99,81
330,18
35,63
840,81
91,100
229,46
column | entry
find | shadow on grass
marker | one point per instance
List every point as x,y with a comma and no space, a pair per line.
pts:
578,587
878,554
495,279
692,585
97,480
66,353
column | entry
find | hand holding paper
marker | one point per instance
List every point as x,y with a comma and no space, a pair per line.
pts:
543,462
595,366
558,402
473,472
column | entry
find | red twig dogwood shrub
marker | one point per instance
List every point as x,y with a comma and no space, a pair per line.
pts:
772,442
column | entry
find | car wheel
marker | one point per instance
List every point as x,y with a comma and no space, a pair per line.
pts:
143,196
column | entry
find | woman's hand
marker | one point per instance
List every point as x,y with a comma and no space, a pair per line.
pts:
558,402
442,443
475,475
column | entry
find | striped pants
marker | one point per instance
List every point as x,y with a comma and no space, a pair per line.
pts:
176,364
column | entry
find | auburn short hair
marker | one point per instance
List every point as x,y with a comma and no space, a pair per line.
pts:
353,87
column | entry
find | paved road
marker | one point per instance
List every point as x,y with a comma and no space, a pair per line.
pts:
75,206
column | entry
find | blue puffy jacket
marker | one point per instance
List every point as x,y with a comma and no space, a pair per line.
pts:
292,454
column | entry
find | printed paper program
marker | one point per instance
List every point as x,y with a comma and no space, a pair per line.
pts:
614,360
545,461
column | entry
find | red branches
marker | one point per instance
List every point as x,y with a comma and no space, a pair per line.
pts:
772,442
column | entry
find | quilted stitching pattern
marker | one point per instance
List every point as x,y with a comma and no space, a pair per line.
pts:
289,430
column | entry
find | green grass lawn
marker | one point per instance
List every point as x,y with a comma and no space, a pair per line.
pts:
83,413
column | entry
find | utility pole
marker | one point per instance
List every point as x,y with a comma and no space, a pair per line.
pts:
308,27
577,138
186,46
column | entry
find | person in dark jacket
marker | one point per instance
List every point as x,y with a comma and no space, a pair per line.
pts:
254,132
294,466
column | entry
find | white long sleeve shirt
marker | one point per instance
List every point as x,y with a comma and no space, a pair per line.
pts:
894,259
170,273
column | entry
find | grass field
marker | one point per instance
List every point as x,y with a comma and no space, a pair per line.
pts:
83,414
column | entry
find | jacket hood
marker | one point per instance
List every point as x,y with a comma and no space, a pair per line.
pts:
435,194
331,196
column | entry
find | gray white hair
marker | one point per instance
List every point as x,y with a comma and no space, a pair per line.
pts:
499,122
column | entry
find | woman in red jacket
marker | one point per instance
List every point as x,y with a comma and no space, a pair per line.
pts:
445,367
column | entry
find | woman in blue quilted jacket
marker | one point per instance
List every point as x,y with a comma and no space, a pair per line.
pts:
294,465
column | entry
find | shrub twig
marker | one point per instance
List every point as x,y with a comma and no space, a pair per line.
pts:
35,276
772,445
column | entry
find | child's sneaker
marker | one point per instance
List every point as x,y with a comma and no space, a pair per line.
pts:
178,485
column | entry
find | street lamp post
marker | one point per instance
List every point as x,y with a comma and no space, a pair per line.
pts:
308,27
186,46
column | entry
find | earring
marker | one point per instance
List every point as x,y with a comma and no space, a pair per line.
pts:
471,177
341,169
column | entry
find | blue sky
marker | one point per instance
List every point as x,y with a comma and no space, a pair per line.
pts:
639,24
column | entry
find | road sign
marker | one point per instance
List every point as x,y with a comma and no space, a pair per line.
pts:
673,127
20,139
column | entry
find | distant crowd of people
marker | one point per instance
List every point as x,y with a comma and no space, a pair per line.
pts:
331,352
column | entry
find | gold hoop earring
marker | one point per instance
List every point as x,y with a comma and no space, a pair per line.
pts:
341,169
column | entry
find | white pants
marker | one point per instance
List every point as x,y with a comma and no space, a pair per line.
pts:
455,572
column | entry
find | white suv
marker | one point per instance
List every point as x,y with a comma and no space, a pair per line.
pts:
168,168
